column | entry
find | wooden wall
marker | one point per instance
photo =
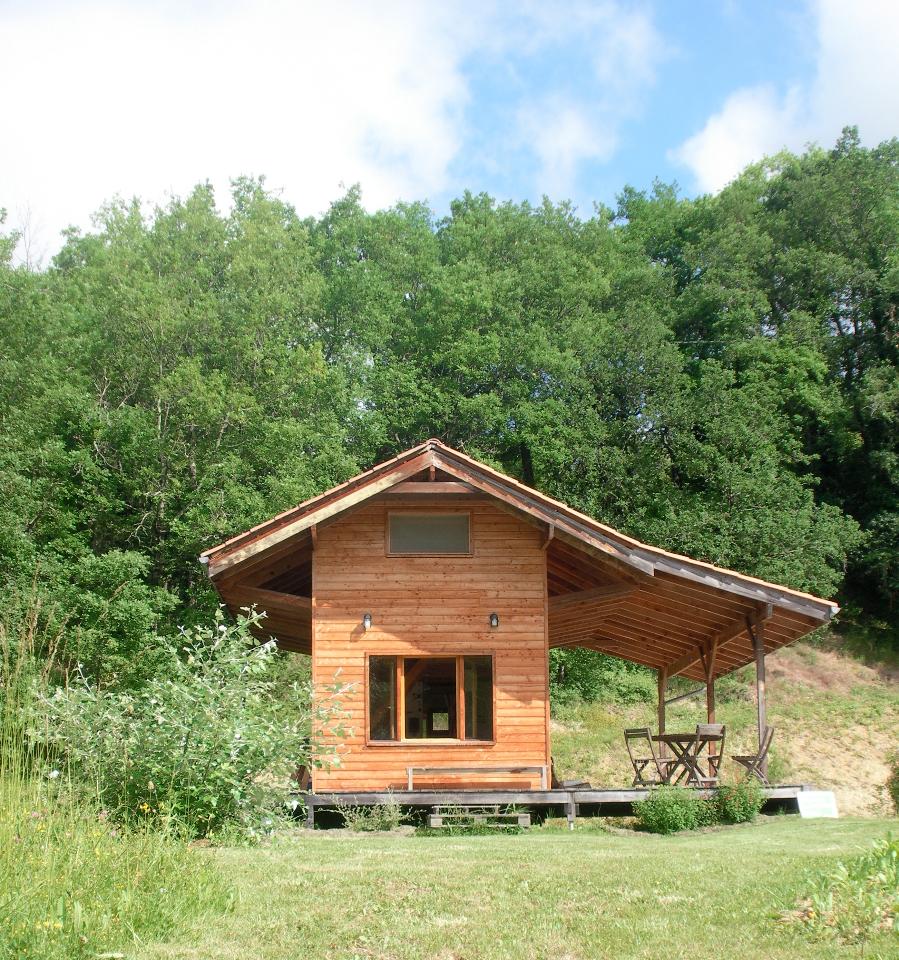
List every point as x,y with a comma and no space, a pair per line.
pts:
433,605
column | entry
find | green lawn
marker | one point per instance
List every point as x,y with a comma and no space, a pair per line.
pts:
543,894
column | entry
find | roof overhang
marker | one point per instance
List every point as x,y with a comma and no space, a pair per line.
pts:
671,607
641,558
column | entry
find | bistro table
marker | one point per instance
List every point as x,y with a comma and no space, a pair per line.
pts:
687,749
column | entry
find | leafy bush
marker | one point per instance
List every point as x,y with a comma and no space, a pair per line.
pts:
854,901
893,781
670,809
202,745
740,803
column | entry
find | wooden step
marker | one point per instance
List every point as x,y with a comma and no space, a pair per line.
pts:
489,816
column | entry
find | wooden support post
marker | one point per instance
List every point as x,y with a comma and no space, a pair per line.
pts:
708,666
571,811
550,535
663,685
758,642
310,814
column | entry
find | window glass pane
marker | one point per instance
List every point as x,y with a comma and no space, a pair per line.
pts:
430,697
429,533
478,698
382,698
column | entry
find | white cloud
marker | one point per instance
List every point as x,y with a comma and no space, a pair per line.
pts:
562,135
586,123
753,123
856,81
105,97
142,99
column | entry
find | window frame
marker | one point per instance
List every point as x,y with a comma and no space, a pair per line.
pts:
427,512
400,712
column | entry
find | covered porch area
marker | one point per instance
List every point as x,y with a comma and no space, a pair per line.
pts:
689,622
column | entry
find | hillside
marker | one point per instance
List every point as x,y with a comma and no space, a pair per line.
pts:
836,720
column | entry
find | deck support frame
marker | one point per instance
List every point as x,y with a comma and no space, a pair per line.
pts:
567,803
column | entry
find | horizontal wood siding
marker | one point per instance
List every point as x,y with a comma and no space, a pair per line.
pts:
433,605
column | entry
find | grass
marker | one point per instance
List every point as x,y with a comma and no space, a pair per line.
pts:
72,885
545,893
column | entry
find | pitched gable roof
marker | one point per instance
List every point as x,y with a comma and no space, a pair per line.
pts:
641,558
606,590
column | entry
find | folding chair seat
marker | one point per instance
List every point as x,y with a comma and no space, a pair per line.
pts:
755,762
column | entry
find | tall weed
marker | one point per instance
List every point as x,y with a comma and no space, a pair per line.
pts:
856,899
73,884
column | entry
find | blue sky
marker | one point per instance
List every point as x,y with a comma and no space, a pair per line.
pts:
421,100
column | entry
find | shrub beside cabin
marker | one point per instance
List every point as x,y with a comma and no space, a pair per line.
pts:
436,586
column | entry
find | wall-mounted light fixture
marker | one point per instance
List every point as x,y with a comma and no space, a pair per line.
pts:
366,621
494,619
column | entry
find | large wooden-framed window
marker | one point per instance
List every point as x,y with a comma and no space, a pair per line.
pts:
430,699
421,533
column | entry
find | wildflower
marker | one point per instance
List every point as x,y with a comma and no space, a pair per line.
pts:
150,785
53,774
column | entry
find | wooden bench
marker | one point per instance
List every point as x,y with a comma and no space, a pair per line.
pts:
411,771
488,816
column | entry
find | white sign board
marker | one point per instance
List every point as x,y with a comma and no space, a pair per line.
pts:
817,803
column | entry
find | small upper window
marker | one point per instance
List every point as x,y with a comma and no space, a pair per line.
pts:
429,533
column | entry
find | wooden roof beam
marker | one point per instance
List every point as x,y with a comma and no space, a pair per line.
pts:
730,633
430,488
607,592
262,599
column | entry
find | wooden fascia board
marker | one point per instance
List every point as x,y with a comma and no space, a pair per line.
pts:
520,500
647,557
735,583
314,503
218,564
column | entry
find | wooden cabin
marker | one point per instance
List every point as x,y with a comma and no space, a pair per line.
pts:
435,586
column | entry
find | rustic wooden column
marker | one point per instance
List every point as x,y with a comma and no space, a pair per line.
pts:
663,686
708,666
758,641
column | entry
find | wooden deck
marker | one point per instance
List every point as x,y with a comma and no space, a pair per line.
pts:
569,803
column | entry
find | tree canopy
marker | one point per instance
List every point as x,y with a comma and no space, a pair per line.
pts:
717,376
